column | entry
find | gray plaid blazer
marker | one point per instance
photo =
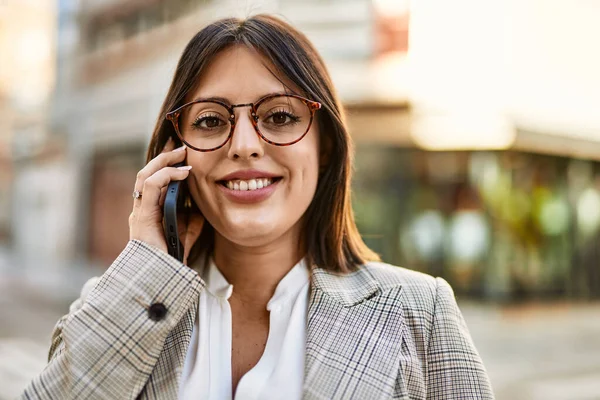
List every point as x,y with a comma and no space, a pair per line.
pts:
382,332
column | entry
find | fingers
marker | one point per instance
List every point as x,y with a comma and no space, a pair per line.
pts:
156,164
169,146
145,221
161,161
154,185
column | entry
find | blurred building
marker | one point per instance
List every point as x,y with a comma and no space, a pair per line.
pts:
27,74
477,140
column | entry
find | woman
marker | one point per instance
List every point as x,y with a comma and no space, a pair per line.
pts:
281,298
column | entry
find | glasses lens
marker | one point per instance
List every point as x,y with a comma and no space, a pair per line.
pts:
283,119
204,125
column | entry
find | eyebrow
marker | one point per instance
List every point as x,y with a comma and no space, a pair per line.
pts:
226,101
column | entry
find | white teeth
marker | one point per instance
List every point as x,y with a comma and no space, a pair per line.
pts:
250,184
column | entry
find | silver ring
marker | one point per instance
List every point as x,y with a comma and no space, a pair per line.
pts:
137,194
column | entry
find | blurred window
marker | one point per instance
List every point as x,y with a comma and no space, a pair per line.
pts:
103,36
116,25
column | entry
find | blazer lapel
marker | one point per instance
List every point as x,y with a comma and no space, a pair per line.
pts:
353,338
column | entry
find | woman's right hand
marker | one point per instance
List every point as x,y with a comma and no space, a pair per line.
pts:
146,219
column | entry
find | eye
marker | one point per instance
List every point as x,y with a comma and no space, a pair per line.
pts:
208,122
282,118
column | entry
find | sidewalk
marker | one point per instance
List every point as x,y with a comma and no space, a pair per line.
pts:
26,323
544,351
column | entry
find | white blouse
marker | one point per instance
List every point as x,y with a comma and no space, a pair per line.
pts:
279,373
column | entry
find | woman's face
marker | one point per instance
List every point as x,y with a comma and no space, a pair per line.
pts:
261,217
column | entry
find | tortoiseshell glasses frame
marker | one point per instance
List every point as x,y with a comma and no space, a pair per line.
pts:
173,116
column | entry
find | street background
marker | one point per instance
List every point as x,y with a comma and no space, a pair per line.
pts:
477,138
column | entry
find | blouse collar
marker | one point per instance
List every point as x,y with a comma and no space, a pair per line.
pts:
287,289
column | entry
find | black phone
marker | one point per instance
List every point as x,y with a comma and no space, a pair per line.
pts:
170,219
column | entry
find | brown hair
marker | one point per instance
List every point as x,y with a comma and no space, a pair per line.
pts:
331,237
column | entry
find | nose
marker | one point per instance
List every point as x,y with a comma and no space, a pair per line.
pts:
245,142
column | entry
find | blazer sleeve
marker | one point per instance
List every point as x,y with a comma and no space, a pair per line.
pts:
454,368
108,344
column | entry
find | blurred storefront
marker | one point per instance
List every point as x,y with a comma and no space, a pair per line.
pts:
507,225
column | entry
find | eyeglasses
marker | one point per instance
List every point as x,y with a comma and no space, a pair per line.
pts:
279,119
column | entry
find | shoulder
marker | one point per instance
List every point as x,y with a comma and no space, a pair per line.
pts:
391,276
418,289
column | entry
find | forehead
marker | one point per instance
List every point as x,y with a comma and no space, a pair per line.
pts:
241,75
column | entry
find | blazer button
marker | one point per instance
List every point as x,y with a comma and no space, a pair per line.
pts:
157,311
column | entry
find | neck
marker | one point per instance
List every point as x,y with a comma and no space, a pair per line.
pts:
255,272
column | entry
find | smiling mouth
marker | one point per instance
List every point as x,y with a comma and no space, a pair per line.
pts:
249,184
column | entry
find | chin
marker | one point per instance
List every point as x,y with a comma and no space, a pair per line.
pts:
252,237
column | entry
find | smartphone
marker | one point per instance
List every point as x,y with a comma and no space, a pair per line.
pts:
170,219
